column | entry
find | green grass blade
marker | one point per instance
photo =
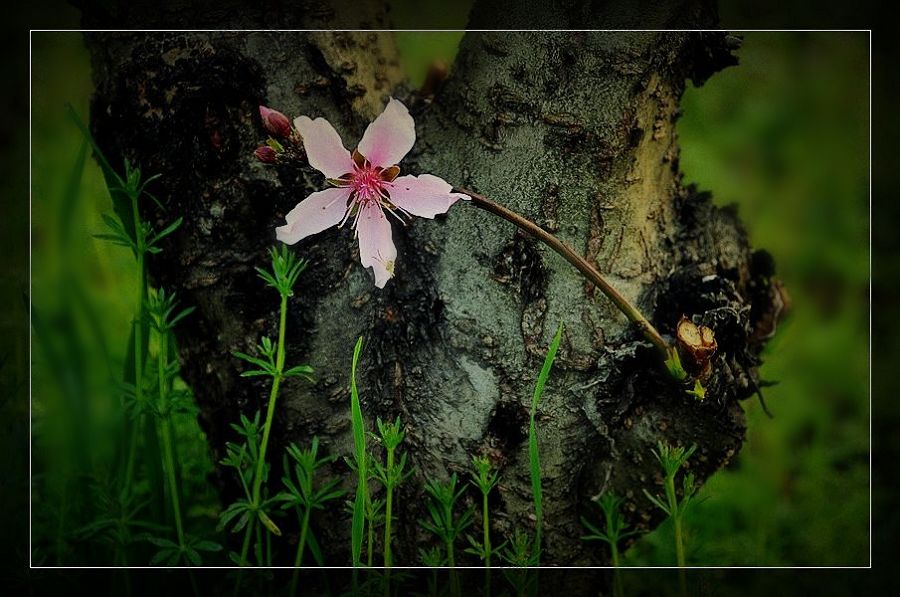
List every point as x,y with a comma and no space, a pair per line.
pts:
71,197
533,450
359,442
114,182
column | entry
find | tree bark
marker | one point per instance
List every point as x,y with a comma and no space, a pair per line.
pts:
573,130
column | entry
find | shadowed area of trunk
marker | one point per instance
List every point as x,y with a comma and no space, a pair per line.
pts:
573,130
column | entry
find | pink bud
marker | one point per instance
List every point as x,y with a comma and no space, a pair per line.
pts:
265,154
275,122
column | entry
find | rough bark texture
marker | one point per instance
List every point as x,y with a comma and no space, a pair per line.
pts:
573,130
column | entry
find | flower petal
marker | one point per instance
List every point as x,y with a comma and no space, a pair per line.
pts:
389,137
324,148
376,248
424,196
321,210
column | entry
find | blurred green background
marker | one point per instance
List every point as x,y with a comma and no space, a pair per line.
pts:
784,135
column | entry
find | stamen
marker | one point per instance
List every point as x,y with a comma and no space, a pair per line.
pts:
356,219
391,211
350,206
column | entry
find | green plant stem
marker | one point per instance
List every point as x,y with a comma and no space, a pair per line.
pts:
486,542
451,560
304,529
672,498
486,530
618,589
370,547
168,451
245,545
298,560
270,414
173,481
138,336
388,507
679,545
259,546
580,263
132,452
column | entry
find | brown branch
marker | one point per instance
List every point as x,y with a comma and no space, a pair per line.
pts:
580,263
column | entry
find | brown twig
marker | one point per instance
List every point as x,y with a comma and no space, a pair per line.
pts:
580,263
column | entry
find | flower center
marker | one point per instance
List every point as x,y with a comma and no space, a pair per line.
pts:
367,184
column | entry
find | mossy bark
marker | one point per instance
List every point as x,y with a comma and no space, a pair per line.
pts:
573,130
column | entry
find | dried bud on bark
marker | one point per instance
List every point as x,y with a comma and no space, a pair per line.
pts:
696,345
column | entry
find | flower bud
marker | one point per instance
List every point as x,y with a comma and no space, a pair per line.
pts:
265,154
275,122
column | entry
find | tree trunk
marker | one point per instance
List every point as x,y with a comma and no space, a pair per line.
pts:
573,130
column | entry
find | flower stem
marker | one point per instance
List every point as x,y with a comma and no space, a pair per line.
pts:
580,263
388,507
270,414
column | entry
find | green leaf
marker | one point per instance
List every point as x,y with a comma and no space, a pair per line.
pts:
300,370
255,373
250,359
184,313
192,556
207,546
269,523
162,542
657,502
242,522
534,457
166,231
359,441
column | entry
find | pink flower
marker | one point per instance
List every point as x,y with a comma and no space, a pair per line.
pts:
275,122
366,187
